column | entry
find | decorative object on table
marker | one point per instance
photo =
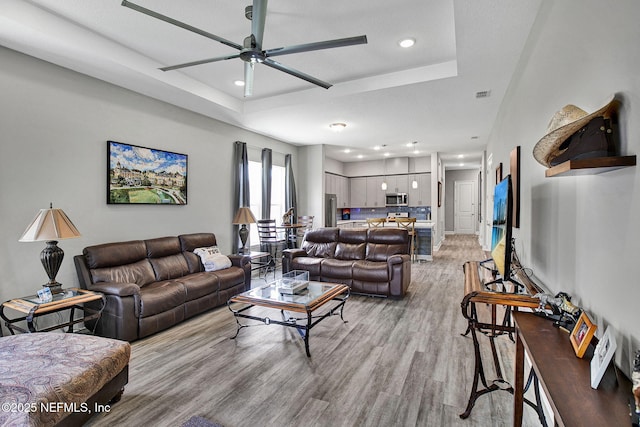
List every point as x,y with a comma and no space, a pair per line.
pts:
564,313
287,218
51,225
571,135
140,175
293,282
602,356
581,335
243,217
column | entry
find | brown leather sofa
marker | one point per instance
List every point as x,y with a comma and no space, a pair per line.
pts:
151,285
373,261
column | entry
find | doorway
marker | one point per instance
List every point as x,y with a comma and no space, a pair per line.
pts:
464,207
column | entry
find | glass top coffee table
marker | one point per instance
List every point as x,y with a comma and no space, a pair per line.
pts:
331,296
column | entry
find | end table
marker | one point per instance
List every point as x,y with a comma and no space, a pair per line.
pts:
69,299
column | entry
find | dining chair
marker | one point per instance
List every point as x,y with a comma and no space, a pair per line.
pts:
306,223
409,224
270,241
376,222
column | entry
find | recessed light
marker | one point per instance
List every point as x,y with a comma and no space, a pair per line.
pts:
405,43
387,154
461,164
360,156
337,127
377,147
416,152
460,156
239,83
347,150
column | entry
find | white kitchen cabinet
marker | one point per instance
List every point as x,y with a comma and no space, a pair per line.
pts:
338,185
375,194
358,190
397,184
420,196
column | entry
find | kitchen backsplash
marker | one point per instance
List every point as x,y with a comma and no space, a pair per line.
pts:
419,212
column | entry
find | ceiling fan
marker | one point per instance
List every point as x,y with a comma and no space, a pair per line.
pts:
251,51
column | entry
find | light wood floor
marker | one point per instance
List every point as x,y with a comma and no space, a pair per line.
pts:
395,363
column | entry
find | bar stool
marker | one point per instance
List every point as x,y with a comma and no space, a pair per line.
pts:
376,222
409,224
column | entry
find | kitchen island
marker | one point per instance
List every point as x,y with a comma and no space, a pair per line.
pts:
424,232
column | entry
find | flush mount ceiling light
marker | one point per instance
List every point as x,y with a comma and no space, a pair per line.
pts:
406,43
337,127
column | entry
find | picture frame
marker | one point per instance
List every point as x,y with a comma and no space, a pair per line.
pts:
602,356
581,334
147,176
499,173
439,193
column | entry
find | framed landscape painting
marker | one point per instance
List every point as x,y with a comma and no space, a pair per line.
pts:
140,175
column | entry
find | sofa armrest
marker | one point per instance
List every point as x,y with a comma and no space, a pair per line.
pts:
293,253
398,259
116,289
287,257
239,260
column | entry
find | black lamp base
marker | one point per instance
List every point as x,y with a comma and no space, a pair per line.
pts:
243,233
51,258
55,288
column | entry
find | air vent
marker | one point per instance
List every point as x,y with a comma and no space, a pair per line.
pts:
483,94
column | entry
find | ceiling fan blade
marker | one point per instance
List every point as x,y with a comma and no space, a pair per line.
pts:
278,66
202,61
259,15
328,44
179,24
248,79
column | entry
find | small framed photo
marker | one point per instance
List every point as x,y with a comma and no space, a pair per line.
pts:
602,356
581,335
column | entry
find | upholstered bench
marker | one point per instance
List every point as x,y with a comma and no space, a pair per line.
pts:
51,378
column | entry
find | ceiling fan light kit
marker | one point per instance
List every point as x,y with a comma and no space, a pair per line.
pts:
251,51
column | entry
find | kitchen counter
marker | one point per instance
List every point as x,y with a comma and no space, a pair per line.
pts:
355,223
424,231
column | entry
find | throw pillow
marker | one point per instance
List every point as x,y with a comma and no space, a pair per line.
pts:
212,259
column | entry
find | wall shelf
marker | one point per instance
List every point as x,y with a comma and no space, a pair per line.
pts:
590,166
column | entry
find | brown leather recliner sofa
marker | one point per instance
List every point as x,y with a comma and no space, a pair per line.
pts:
151,285
373,261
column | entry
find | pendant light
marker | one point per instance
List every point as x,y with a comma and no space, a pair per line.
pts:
384,169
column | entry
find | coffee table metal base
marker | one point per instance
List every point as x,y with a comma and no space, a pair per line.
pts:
304,328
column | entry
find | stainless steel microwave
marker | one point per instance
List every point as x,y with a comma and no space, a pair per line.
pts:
397,199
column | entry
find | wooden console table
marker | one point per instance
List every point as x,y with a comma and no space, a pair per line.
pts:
565,378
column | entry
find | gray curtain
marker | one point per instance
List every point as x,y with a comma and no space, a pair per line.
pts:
241,182
290,199
266,183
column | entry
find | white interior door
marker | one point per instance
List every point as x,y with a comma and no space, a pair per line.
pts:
464,207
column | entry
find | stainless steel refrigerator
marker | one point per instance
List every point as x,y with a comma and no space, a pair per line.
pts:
330,208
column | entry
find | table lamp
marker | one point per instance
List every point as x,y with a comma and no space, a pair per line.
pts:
243,217
51,225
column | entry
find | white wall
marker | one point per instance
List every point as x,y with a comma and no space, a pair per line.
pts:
54,127
580,234
310,184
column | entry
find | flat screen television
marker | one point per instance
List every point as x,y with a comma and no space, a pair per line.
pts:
501,228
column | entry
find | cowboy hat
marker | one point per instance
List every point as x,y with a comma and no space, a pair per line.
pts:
563,124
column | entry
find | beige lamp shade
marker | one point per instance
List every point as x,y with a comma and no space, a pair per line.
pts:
50,224
244,216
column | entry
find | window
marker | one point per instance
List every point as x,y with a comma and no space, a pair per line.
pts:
255,193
